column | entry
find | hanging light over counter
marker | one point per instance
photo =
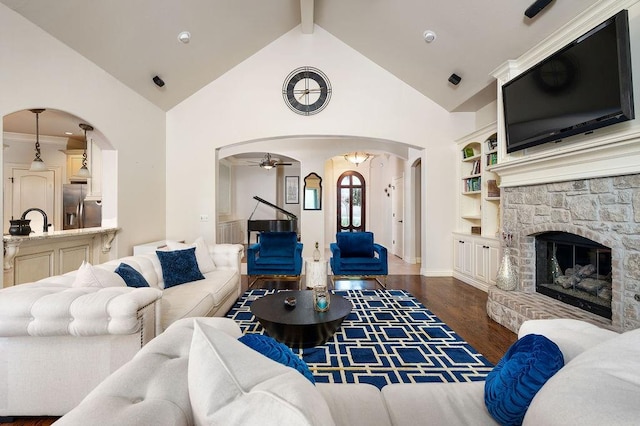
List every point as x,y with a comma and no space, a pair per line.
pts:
84,172
37,165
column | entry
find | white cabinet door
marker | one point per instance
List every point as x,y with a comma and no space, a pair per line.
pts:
486,261
481,254
463,255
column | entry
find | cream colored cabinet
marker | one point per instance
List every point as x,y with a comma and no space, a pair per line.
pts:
475,260
463,255
94,164
74,162
486,255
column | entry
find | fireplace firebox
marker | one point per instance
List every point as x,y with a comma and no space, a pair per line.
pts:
574,270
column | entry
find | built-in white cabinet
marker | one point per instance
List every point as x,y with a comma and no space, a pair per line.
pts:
486,257
463,254
475,259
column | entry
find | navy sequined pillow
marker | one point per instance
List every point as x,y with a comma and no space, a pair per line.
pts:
179,266
130,276
519,375
278,352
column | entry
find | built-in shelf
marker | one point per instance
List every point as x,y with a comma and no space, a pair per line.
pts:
478,203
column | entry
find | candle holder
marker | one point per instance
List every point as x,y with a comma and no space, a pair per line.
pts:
321,298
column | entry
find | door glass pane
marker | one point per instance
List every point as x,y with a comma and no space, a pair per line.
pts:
356,204
356,180
344,207
345,181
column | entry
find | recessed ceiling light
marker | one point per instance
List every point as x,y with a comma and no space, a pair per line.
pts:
185,37
429,36
68,133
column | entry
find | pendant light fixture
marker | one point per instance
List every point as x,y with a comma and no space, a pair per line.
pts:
37,165
357,157
84,171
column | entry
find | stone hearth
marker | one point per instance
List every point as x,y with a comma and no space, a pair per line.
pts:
605,210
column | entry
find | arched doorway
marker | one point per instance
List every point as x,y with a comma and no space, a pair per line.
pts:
351,203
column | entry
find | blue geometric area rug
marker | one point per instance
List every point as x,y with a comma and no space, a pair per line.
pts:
389,337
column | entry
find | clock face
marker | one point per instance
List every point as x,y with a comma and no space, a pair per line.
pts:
306,90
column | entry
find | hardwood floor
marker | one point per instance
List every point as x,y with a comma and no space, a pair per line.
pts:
459,305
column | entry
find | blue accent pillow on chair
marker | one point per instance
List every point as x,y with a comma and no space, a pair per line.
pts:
179,266
130,276
278,352
355,244
523,370
278,244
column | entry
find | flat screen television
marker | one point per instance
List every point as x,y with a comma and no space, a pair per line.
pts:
584,86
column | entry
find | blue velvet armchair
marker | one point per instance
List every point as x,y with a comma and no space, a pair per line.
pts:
354,254
277,254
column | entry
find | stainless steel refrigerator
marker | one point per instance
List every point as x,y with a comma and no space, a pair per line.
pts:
78,212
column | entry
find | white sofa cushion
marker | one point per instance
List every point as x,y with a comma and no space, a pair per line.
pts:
231,384
601,386
451,404
572,336
355,404
89,276
198,298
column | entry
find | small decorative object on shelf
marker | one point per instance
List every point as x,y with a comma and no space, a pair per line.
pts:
492,142
493,190
507,278
321,298
467,152
316,253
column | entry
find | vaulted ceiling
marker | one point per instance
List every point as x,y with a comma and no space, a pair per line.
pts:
136,40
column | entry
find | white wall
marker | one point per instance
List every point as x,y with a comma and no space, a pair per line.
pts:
367,103
39,71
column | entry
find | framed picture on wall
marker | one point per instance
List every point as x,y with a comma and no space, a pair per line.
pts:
291,188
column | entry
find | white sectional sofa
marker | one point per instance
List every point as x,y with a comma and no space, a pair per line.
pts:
59,339
198,373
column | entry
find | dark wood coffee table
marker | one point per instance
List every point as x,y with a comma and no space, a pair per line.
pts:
301,326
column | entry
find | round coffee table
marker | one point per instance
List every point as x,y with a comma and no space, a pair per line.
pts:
300,326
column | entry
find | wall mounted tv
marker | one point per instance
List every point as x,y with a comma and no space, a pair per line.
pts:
584,86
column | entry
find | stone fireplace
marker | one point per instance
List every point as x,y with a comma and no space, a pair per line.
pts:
602,216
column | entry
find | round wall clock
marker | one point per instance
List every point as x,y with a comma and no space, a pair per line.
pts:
306,90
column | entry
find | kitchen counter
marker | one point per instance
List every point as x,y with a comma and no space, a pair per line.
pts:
58,234
35,256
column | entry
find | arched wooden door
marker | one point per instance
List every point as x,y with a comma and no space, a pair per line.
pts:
351,202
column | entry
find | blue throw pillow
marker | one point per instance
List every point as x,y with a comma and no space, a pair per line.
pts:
130,276
277,351
519,375
179,266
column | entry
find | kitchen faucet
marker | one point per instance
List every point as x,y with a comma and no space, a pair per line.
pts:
45,227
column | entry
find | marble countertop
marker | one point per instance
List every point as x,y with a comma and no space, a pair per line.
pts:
57,234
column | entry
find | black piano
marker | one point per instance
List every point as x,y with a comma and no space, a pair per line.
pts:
271,225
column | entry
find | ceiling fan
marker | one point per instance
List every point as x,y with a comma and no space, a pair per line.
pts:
269,163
